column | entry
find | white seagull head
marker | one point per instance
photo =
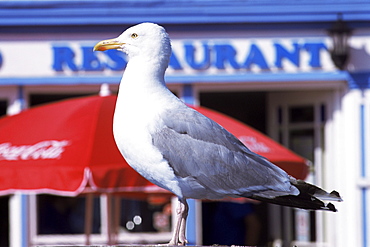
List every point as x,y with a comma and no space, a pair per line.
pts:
145,40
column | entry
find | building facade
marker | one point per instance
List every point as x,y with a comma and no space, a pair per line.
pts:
265,63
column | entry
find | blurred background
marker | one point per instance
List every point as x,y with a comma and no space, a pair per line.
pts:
297,71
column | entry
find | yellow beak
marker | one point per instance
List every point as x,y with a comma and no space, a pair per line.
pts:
108,45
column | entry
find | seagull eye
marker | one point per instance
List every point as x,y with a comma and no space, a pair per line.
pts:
134,35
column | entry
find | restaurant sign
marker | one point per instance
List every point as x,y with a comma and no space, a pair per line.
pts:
65,58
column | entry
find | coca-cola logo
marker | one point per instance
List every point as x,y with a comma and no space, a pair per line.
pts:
50,149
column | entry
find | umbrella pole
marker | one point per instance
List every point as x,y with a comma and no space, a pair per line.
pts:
88,217
112,218
109,217
117,217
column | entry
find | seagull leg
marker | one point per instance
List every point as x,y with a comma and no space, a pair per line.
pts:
179,237
182,234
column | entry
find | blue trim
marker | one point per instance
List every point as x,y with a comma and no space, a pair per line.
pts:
363,175
359,80
364,217
23,197
191,229
362,140
21,97
188,94
59,80
110,12
188,79
260,77
24,218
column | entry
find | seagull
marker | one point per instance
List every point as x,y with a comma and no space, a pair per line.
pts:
181,150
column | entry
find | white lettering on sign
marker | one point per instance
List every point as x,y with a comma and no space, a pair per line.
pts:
254,145
49,149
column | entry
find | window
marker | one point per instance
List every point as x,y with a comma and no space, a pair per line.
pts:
297,120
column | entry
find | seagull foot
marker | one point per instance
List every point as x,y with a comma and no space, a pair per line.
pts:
179,243
170,244
183,242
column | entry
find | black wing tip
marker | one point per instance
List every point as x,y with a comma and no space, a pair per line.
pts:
330,207
336,194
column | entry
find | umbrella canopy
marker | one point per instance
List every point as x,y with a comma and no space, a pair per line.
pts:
67,148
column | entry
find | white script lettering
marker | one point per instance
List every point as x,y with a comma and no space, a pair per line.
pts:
49,149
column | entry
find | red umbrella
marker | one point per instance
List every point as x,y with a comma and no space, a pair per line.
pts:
67,148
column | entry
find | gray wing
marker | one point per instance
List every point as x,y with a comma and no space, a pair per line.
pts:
197,147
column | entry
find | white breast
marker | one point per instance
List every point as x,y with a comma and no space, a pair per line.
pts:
133,125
